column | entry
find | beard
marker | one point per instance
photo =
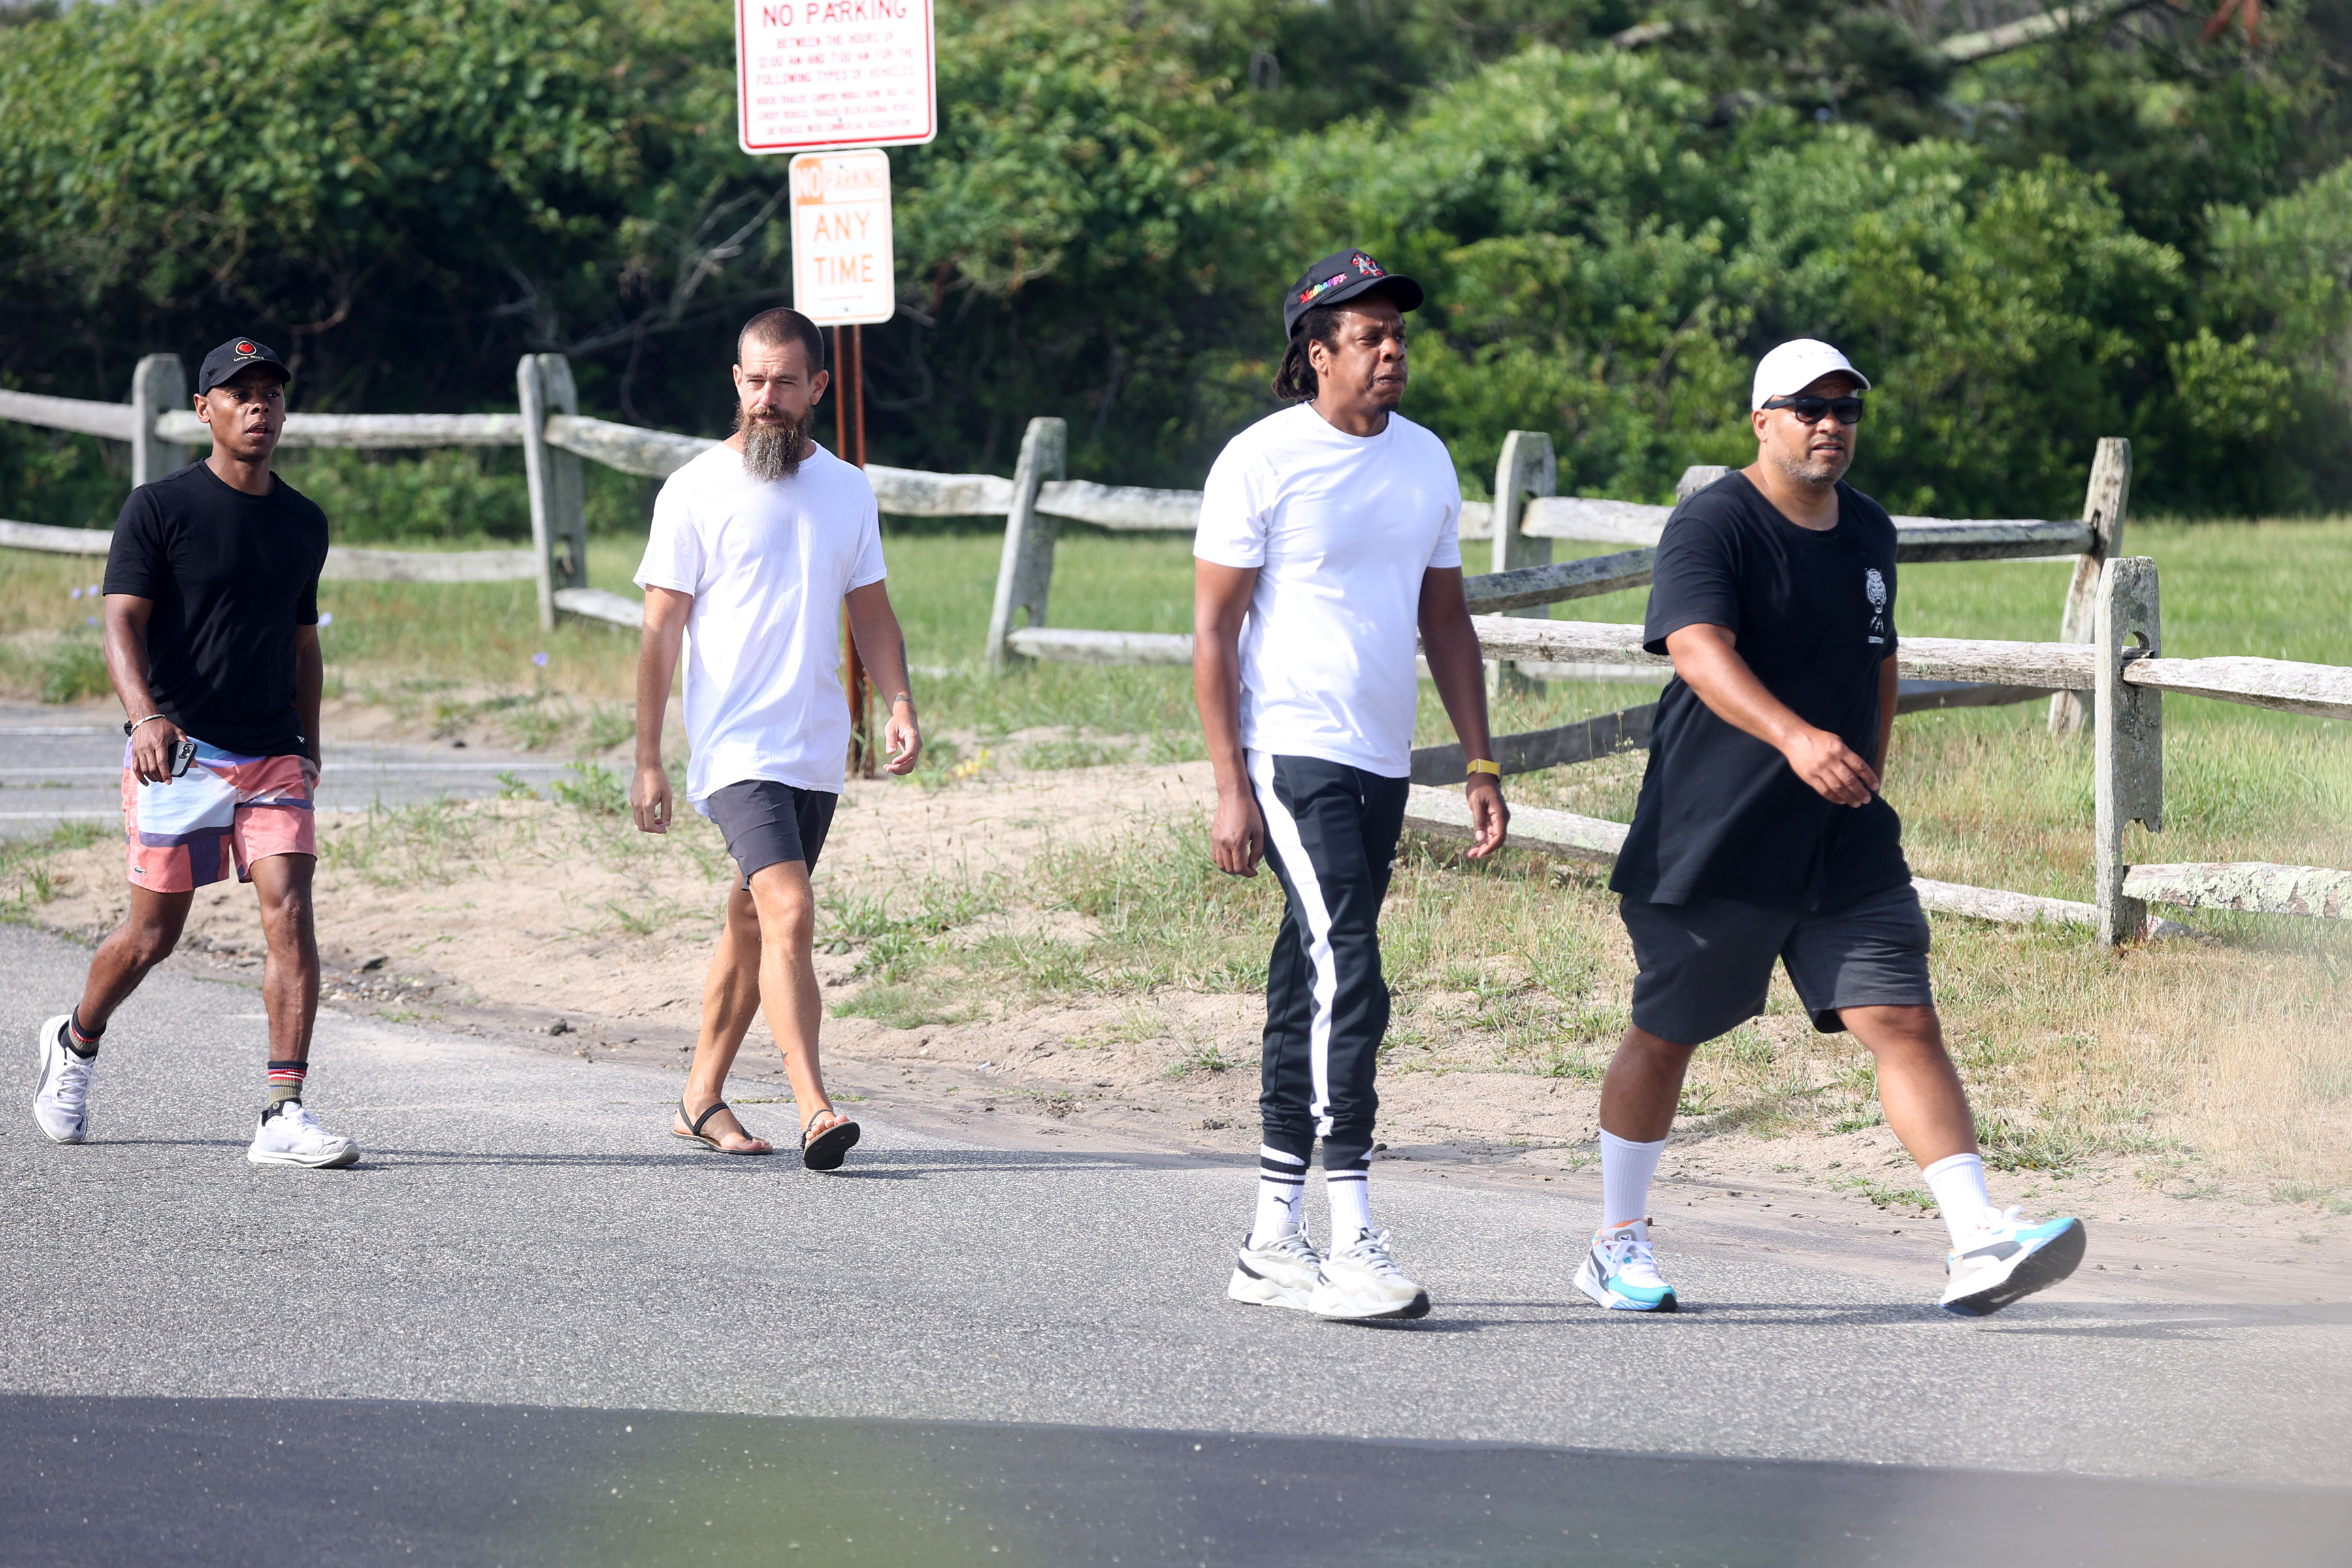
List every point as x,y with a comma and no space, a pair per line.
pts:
772,448
1811,468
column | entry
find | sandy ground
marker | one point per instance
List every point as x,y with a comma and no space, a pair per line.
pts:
521,922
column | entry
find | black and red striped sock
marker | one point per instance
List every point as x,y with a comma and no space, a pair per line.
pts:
285,1081
81,1042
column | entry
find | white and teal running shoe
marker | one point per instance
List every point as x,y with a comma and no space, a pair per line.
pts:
1620,1272
2007,1260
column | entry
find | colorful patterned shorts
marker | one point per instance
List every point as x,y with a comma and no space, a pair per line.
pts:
224,810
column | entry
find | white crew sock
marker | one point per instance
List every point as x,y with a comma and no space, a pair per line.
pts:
1626,1169
1281,1184
1350,1191
1958,1183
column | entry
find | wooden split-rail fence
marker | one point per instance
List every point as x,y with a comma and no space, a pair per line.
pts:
2106,666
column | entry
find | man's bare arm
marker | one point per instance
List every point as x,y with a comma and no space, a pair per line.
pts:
873,625
1220,601
309,690
1707,660
1449,643
125,638
657,650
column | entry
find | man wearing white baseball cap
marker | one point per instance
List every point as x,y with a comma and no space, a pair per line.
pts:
1761,834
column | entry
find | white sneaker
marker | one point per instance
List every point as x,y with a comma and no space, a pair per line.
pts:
61,1097
1280,1274
1620,1271
290,1135
1360,1280
2007,1260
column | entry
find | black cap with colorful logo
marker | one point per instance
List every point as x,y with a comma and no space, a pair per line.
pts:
235,355
1336,279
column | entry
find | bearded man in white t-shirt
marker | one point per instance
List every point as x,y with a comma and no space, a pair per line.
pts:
1328,540
757,547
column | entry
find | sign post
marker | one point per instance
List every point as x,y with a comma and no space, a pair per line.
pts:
842,276
853,75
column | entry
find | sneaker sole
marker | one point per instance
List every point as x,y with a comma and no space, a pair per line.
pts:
42,1043
348,1156
1256,1290
2045,1266
1416,1308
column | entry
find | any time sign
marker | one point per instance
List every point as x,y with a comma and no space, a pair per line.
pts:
834,73
841,238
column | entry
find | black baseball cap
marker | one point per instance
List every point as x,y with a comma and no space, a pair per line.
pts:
235,355
1335,279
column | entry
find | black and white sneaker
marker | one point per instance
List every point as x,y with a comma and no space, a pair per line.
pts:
1280,1274
61,1095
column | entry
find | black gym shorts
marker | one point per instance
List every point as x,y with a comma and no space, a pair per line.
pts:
1704,966
767,823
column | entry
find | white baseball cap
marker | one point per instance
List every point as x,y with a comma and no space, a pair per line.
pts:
1796,365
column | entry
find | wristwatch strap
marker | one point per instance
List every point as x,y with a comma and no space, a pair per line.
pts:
1481,765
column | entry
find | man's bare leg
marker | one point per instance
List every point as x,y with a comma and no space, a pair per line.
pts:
289,974
788,987
1919,1087
731,1000
144,939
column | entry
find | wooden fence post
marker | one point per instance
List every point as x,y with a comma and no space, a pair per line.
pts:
1527,467
1696,478
559,519
2104,502
2127,727
1025,573
159,385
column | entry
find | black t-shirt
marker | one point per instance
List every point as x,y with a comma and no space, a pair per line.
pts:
1722,816
231,575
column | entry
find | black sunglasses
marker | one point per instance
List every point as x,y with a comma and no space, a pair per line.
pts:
1808,409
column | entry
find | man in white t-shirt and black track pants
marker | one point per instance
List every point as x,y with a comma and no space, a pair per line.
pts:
1328,540
757,546
1761,836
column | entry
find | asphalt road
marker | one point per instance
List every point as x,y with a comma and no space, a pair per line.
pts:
65,765
531,1327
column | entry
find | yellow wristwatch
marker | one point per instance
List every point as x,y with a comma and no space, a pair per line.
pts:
1481,765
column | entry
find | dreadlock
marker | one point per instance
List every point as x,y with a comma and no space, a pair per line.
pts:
1295,381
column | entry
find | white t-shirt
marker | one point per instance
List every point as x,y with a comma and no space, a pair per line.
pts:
1341,528
767,563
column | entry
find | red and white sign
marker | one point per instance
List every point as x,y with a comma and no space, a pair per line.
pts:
842,252
834,73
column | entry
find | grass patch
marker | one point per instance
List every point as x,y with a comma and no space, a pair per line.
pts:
27,879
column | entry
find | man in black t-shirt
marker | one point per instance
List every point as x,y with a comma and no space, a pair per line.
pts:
212,640
1761,834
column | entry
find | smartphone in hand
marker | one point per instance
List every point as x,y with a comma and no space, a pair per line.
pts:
182,755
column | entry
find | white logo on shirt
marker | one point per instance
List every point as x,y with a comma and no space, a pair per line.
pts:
1874,587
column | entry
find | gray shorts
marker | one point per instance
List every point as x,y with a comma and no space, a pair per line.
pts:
1704,966
767,823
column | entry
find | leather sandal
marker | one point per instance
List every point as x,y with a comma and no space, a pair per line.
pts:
699,1136
826,1150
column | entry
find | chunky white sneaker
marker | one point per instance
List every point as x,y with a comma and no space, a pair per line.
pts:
61,1097
290,1135
1360,1279
1280,1274
1620,1271
2007,1260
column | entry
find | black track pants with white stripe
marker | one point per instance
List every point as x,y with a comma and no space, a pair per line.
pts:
1331,833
